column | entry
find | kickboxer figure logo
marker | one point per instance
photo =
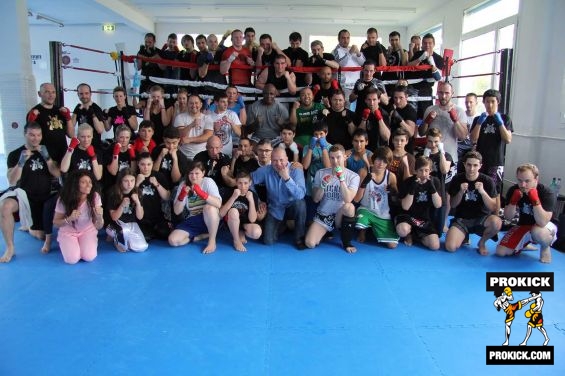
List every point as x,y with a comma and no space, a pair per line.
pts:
503,302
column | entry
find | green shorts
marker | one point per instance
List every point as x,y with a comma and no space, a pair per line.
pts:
383,229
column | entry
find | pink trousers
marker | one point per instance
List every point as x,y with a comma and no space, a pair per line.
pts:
78,245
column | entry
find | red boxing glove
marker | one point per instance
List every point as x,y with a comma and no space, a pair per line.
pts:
429,119
117,149
516,196
533,195
74,143
32,116
315,90
378,114
366,113
65,113
203,195
335,84
91,153
131,152
183,193
453,114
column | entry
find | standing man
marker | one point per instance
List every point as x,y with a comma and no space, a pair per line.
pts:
285,188
427,56
319,59
395,54
298,56
490,133
403,116
88,112
268,52
347,57
279,76
448,118
241,60
372,49
534,202
55,122
415,46
465,145
367,83
148,50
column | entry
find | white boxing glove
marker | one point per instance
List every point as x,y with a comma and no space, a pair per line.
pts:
441,148
424,56
293,148
427,152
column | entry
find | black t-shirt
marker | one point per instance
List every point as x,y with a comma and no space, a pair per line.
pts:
490,143
186,57
167,164
35,179
268,60
394,58
316,61
525,208
374,84
422,204
407,113
279,83
81,161
338,132
242,205
295,55
151,200
159,126
373,52
472,204
54,131
240,165
324,93
128,212
375,139
436,171
213,167
87,116
425,87
120,117
149,68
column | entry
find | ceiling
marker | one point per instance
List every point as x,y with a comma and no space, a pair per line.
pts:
143,14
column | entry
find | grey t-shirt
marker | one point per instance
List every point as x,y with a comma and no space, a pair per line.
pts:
270,119
332,200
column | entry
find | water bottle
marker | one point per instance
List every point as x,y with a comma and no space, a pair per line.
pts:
553,186
558,186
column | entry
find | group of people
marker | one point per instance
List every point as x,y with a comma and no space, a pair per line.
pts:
263,167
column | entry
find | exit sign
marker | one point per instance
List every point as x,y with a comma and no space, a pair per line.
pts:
109,28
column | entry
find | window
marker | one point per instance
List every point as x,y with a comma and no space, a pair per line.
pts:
488,13
487,27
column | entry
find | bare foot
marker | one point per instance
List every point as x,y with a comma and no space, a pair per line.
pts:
8,254
120,247
408,240
46,248
483,251
545,256
201,237
211,247
242,238
350,249
361,236
238,245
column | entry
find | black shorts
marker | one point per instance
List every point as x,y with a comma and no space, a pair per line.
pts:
420,227
471,225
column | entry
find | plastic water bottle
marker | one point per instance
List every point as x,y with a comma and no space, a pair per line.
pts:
558,186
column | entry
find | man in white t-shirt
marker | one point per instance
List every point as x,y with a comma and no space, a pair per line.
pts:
195,128
225,123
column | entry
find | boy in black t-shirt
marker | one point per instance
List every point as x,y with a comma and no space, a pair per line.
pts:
240,212
418,198
473,196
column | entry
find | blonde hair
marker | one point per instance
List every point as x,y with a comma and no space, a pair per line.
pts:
528,167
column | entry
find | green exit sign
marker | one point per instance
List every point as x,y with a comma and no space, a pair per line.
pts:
109,28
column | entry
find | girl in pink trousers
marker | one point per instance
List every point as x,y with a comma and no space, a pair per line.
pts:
78,215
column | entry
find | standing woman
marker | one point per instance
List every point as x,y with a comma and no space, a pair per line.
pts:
198,199
78,215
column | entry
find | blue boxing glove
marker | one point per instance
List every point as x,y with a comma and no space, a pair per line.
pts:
482,118
323,143
240,101
313,142
209,58
498,119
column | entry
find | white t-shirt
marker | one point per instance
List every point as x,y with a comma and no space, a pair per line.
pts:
183,120
332,200
223,129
